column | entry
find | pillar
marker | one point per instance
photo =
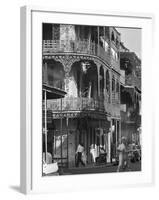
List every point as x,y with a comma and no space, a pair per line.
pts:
67,62
104,82
98,41
80,88
116,130
67,121
98,76
110,74
120,129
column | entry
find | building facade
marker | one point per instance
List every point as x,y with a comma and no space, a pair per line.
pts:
85,62
130,66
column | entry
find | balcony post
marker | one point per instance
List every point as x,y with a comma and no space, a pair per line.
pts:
119,92
98,76
116,135
104,82
98,41
67,62
67,121
111,87
119,129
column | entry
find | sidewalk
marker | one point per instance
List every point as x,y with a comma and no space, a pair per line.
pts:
90,168
107,168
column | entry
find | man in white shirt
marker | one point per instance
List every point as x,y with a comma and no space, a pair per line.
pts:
79,152
93,152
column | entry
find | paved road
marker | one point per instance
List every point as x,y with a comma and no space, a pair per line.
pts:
100,169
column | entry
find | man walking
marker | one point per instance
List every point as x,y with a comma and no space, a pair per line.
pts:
79,153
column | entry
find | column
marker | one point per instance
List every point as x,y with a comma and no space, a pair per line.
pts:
119,92
98,75
104,82
67,62
116,130
67,121
67,69
80,88
115,95
67,82
110,87
119,129
98,40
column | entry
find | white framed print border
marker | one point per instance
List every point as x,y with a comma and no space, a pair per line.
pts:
31,180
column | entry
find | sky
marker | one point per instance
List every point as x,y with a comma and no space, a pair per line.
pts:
131,38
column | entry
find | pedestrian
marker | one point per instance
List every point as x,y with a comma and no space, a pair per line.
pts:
122,154
79,155
93,152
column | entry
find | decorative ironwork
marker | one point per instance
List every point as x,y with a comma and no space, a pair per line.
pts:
75,46
67,61
93,115
77,104
70,59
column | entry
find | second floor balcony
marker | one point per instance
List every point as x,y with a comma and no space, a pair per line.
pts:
76,104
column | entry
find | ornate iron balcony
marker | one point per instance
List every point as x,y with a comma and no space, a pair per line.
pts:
76,104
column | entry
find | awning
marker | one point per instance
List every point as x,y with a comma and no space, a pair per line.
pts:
52,92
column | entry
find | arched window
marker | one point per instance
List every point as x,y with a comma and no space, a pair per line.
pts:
55,74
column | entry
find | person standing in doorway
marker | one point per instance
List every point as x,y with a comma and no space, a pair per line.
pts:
79,153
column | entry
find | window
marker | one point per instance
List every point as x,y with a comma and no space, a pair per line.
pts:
112,36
